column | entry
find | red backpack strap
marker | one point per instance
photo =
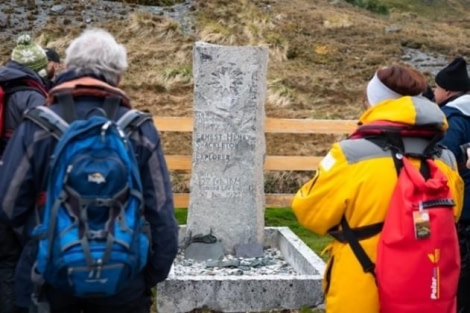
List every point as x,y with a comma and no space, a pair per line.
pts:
41,199
9,89
35,85
404,130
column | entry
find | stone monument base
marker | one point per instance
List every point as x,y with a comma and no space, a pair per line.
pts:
250,293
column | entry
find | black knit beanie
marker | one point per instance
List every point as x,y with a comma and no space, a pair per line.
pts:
454,77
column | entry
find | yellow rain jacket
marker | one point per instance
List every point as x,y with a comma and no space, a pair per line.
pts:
356,180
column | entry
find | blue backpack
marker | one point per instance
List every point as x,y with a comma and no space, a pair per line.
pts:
92,239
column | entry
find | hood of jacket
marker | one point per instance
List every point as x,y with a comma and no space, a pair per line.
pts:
461,104
412,111
71,74
14,70
86,84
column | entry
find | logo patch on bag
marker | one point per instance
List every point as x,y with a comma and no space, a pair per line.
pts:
421,224
434,258
96,178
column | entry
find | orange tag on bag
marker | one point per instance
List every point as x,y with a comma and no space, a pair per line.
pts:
421,224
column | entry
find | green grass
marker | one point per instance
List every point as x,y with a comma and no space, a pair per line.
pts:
281,217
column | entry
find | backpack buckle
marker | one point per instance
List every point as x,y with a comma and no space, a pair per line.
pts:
104,128
97,234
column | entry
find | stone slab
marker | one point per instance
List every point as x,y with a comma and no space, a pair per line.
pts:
249,250
204,251
250,293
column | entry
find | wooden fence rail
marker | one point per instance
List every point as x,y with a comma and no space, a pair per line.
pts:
272,162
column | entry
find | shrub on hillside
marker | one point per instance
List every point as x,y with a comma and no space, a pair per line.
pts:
371,5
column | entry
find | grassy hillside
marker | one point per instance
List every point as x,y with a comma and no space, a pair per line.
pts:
322,52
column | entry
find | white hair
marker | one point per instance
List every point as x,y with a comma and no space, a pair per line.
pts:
96,51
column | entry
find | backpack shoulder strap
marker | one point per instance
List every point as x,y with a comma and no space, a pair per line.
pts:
111,105
412,146
67,103
132,120
47,120
67,106
350,237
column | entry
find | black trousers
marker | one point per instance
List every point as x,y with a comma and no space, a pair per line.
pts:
10,250
140,305
463,299
135,307
7,290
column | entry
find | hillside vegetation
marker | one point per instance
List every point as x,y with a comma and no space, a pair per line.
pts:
322,52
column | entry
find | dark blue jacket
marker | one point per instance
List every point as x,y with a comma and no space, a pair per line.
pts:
23,175
457,111
18,102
